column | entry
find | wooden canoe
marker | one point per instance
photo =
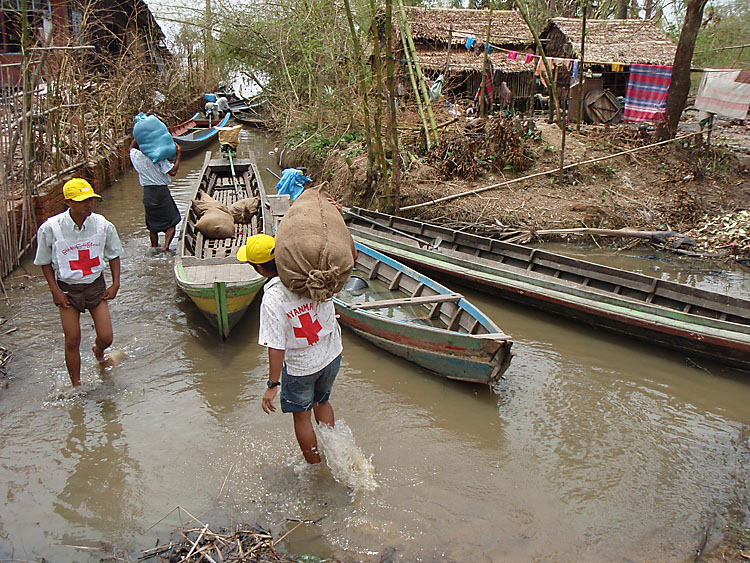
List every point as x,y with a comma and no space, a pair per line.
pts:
196,132
207,270
410,315
695,322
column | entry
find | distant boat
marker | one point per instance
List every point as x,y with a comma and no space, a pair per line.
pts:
253,113
695,322
207,270
196,132
411,316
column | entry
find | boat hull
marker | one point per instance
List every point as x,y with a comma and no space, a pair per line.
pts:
222,303
446,355
199,135
694,336
477,357
206,269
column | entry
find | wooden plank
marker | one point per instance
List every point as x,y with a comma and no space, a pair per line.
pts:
422,300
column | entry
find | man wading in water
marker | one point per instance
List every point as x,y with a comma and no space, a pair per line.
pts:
162,215
304,347
72,248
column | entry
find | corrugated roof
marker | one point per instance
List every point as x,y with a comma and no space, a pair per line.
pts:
631,41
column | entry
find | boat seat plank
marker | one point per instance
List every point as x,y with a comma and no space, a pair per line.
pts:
422,300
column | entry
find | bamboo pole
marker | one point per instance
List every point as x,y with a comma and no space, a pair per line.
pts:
482,94
379,101
418,68
544,173
551,81
580,69
362,86
391,86
413,80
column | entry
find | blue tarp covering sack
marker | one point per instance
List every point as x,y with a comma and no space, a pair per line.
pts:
292,182
153,138
209,98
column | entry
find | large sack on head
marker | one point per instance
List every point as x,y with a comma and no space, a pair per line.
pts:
205,202
216,223
243,210
313,247
153,138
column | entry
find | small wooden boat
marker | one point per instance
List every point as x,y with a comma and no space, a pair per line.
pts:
207,270
695,322
411,316
196,132
253,113
249,117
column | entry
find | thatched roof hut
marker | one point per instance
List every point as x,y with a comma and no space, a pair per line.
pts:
627,42
440,36
436,30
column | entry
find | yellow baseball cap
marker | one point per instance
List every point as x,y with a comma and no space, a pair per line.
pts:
78,189
257,250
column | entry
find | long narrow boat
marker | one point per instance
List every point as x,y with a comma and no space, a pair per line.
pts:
414,317
196,132
695,322
207,270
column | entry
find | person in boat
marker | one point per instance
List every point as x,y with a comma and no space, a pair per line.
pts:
72,249
162,215
304,348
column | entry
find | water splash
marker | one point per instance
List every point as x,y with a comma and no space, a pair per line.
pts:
347,463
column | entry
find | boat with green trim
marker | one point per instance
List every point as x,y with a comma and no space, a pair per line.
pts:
695,322
206,269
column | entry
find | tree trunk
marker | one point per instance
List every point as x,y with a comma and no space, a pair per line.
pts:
680,83
622,9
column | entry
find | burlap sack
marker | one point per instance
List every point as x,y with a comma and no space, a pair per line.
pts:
206,202
243,210
216,223
313,247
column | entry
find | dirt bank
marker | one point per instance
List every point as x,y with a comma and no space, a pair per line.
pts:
678,186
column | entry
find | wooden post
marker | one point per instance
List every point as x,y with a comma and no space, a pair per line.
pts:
580,67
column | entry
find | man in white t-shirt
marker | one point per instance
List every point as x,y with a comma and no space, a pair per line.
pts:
304,348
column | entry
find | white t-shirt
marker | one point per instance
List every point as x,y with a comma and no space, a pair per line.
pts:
307,330
149,172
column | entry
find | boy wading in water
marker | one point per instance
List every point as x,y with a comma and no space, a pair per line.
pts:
162,215
304,348
72,249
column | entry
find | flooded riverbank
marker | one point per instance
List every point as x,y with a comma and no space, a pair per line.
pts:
593,447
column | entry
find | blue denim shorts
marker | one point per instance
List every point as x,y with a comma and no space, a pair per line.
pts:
298,392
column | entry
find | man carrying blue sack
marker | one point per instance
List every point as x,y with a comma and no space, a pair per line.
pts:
162,215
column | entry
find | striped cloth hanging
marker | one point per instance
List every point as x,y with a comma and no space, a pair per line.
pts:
646,95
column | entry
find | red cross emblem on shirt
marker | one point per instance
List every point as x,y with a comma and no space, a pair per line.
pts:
85,262
309,329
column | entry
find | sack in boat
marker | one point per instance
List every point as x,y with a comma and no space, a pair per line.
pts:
153,138
243,210
313,247
229,136
216,223
205,202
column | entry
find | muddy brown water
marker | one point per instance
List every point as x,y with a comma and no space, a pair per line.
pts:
593,447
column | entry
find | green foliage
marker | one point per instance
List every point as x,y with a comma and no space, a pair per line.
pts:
724,25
